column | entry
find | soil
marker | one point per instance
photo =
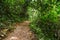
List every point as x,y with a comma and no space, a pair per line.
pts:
22,32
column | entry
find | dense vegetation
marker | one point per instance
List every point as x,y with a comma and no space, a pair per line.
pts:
43,15
12,11
44,18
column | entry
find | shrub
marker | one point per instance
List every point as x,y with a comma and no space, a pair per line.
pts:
12,11
44,21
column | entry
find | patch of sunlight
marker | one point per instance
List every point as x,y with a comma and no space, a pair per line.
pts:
13,38
33,13
41,39
59,15
34,0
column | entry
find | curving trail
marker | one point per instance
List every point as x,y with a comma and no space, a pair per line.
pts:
22,32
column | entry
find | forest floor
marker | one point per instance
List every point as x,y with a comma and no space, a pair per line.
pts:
22,32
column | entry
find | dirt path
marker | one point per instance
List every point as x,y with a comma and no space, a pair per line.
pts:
22,32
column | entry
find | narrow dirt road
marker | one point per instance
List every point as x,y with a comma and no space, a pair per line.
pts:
22,32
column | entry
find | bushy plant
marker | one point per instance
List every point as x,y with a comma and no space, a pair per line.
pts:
44,21
12,11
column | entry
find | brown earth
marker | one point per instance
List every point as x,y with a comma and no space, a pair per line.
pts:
22,32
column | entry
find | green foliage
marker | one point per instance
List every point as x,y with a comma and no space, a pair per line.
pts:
12,11
43,15
44,21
